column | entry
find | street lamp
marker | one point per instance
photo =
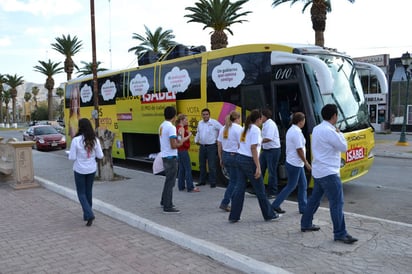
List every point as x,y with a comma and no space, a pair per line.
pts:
406,62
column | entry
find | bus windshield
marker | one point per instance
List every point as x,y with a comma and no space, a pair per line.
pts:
347,93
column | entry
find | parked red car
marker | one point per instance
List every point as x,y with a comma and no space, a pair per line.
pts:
46,137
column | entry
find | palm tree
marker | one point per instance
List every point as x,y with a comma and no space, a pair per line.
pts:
157,42
49,69
13,81
218,15
6,100
68,47
27,111
2,80
60,93
318,15
35,91
87,68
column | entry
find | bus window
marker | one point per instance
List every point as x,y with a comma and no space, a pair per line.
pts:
140,82
183,78
109,88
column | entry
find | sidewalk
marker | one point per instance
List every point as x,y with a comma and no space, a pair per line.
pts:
250,246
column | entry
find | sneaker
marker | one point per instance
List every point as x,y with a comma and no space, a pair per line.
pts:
225,208
196,189
171,210
275,218
348,239
233,221
173,206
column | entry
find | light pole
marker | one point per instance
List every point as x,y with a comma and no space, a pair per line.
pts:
406,62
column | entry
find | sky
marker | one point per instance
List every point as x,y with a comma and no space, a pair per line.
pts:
29,27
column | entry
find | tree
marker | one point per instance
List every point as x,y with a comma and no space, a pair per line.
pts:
27,96
60,93
35,91
68,47
49,69
13,81
157,42
6,100
2,80
87,68
318,15
218,15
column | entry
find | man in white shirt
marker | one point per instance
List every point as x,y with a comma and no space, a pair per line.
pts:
327,145
269,157
206,137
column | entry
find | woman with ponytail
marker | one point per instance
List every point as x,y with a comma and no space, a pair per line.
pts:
248,167
227,146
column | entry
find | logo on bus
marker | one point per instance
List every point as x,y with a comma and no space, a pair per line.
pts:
355,154
159,97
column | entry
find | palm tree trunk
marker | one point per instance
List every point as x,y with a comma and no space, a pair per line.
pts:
318,17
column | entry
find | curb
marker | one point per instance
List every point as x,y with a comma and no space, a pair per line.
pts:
223,255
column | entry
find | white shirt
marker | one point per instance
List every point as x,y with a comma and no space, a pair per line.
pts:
253,137
84,162
167,131
207,132
294,141
231,143
270,131
327,146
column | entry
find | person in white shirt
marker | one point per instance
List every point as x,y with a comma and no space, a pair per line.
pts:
227,146
295,163
84,149
248,168
168,150
206,137
327,145
269,157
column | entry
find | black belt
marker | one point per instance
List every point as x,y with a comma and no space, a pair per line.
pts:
170,157
267,149
208,145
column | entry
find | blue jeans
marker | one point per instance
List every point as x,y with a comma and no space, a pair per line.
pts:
331,186
208,153
170,166
185,171
246,170
229,161
269,159
296,177
84,186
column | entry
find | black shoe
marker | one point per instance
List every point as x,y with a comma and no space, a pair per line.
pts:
279,210
233,221
171,210
348,239
275,218
200,184
90,221
225,208
312,228
213,186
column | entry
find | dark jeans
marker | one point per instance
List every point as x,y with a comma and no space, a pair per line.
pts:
229,161
170,166
185,179
84,186
208,153
331,186
296,177
246,170
269,159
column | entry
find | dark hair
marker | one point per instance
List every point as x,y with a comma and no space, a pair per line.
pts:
297,117
89,136
169,112
267,113
250,119
205,109
328,111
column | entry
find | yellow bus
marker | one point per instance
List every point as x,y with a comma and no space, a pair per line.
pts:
282,77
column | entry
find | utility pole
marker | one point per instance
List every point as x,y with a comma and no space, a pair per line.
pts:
95,113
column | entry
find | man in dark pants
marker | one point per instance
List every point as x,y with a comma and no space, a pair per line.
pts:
206,138
327,145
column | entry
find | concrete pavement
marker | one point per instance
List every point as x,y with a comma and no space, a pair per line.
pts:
210,244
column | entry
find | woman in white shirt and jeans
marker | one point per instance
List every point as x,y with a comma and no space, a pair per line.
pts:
84,149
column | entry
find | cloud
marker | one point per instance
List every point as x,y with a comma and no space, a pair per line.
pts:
5,41
42,7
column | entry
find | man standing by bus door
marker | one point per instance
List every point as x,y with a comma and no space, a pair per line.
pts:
269,157
206,138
